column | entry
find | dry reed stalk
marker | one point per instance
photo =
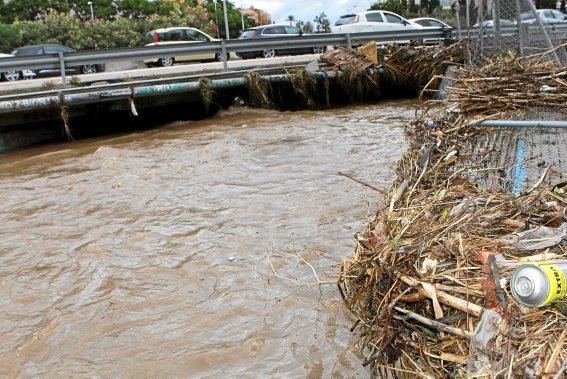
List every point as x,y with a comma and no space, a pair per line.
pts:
442,229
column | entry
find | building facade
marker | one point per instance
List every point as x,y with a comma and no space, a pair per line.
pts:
259,16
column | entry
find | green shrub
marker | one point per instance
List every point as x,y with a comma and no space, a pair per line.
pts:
103,34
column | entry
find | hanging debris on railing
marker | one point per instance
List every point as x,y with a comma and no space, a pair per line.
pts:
357,61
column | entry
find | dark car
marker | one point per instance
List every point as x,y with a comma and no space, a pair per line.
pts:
271,31
55,49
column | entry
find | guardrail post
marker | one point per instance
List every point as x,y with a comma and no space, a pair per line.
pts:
348,41
63,73
447,36
224,55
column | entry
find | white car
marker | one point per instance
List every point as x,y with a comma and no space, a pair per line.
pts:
547,16
372,21
11,76
178,36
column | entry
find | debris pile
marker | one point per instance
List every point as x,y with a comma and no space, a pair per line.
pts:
405,66
415,66
359,60
509,86
429,279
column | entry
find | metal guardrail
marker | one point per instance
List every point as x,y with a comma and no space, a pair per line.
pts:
217,47
234,46
513,29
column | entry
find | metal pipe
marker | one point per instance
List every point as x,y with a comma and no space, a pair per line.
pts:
47,102
524,124
178,79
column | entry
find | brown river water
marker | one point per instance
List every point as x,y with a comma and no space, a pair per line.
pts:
192,250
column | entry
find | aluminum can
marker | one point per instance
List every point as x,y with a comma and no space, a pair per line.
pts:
539,284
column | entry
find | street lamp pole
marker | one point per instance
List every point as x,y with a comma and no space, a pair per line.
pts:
90,4
226,20
241,15
217,19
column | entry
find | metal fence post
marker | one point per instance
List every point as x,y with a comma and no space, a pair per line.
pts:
348,41
458,13
554,53
63,73
481,25
496,22
468,20
520,29
224,55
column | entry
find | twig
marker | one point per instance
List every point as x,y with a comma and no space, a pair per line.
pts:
383,192
500,294
435,324
540,181
446,299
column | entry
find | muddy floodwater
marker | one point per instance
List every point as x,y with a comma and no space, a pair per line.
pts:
197,249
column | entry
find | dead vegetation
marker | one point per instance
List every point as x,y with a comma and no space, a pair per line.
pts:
348,76
428,278
508,86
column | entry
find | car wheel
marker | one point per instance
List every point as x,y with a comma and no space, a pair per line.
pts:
88,69
218,57
11,76
166,62
268,53
319,49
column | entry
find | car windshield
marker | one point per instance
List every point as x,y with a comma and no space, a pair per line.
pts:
345,20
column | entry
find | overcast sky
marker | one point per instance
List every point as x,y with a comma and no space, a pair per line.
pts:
306,10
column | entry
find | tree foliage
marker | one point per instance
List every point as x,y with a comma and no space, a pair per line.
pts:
103,34
31,10
408,8
306,27
234,18
322,23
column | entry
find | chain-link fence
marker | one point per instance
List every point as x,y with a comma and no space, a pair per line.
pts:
497,26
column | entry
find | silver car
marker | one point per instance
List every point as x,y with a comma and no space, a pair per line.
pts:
547,16
10,76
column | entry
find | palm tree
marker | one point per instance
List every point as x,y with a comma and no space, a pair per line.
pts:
290,19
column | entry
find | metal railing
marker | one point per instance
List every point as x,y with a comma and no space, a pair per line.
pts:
223,47
217,47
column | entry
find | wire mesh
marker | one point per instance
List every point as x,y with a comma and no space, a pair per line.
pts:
497,26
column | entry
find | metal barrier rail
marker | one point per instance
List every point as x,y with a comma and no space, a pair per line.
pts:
218,47
223,47
512,31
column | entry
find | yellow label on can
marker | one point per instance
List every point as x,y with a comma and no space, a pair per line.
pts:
557,282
